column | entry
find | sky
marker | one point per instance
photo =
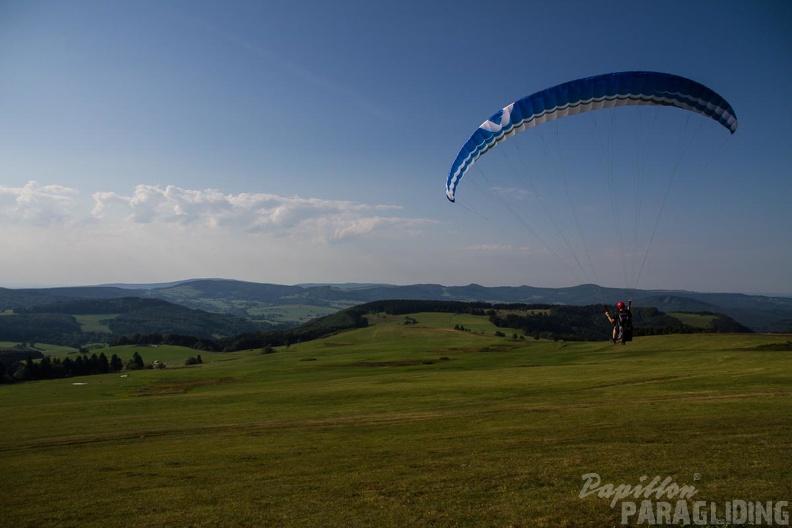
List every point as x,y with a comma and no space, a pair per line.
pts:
302,141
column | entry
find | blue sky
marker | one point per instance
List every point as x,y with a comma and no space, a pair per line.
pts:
309,141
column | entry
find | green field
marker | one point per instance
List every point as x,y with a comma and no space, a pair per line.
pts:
95,323
398,425
288,313
695,320
44,348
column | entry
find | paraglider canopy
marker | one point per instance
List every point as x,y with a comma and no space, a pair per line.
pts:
538,179
584,95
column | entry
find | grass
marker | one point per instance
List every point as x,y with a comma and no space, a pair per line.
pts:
372,428
95,323
695,320
287,313
44,348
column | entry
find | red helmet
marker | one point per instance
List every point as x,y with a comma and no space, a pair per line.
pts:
620,305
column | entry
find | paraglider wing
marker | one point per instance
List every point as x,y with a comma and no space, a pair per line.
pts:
583,95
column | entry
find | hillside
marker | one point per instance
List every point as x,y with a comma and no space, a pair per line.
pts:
11,299
291,305
538,321
130,320
84,321
397,425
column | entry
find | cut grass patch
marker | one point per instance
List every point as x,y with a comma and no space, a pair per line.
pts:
694,320
159,388
98,323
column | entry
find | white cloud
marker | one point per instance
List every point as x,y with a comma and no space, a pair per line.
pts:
38,205
159,233
195,211
314,218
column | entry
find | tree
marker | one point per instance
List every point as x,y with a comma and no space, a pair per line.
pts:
116,365
136,363
104,364
138,360
68,366
93,364
80,366
31,368
44,368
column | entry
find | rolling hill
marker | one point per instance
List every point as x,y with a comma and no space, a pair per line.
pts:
102,320
273,304
397,425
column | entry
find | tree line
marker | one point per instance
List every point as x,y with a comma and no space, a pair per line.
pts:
588,323
347,319
545,321
314,329
574,323
54,368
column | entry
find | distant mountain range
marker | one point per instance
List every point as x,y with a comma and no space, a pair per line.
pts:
274,305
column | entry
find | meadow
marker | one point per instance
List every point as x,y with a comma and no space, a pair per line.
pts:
398,425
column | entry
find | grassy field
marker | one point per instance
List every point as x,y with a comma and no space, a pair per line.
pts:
398,425
44,348
288,313
695,320
95,323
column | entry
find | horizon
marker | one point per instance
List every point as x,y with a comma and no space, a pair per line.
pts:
166,284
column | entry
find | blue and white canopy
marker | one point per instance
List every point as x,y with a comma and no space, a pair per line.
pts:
592,93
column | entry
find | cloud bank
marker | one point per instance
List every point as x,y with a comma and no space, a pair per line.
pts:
315,219
59,235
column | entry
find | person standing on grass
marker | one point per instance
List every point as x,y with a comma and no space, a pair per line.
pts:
622,322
